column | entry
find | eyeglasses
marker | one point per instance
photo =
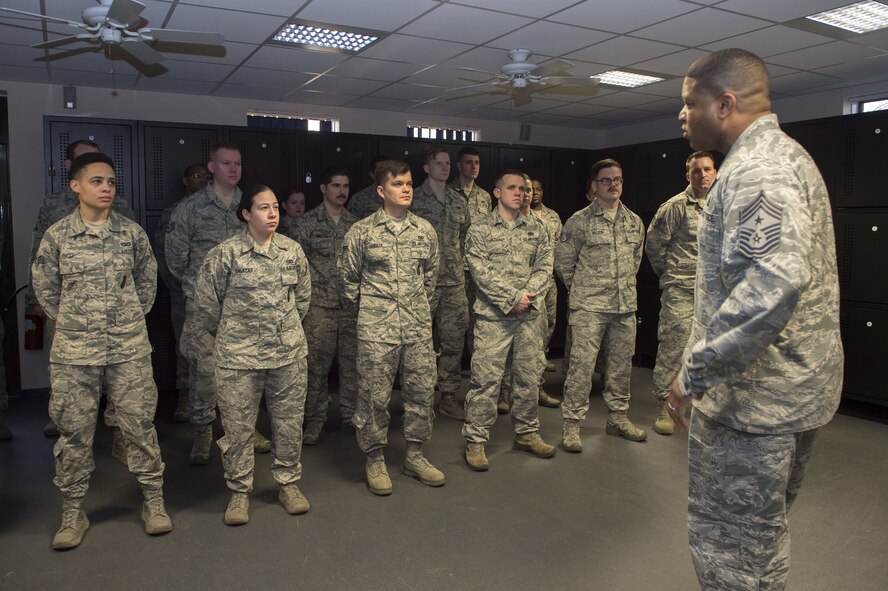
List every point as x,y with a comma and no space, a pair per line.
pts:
606,182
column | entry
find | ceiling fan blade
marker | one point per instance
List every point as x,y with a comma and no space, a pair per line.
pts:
60,55
569,90
519,99
142,52
62,41
574,80
178,36
45,18
491,74
553,67
458,88
125,12
474,94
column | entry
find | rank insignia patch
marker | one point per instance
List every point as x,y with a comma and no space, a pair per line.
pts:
760,224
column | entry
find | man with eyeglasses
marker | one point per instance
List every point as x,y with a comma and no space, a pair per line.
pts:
194,179
597,258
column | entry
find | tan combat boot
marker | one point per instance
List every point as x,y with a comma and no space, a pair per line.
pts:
154,513
548,401
378,480
476,458
261,445
118,446
570,436
417,466
203,439
293,500
314,430
663,424
502,403
450,407
619,424
533,443
74,525
238,509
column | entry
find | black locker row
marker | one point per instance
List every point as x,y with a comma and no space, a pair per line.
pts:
849,151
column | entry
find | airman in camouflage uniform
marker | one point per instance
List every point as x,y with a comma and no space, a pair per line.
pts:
194,179
206,219
597,259
510,258
252,293
292,211
388,268
95,276
447,212
552,221
764,362
56,207
672,251
366,201
330,330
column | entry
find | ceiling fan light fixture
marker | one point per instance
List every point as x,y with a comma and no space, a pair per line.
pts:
626,79
323,37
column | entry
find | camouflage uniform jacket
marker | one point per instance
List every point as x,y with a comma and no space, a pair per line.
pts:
364,202
160,246
672,240
388,277
552,222
288,229
478,200
321,240
597,259
252,303
765,355
57,206
97,285
197,225
507,261
450,220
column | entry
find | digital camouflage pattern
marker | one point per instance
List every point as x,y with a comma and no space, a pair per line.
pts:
331,333
240,391
450,319
673,332
478,200
552,221
364,202
177,298
450,219
250,302
388,276
96,285
74,405
321,240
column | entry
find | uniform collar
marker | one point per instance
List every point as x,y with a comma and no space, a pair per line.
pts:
521,220
211,195
78,226
247,243
693,198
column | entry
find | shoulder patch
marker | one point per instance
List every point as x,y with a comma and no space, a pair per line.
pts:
171,226
760,226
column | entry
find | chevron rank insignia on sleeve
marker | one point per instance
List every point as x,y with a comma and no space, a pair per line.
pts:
760,226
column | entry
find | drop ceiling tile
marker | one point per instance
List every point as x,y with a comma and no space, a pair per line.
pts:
877,39
185,70
622,99
770,41
540,104
579,109
666,106
395,15
92,61
273,7
382,104
802,81
250,91
245,27
318,98
266,77
781,11
292,58
491,113
417,50
546,118
668,88
475,99
233,53
159,84
871,70
702,26
553,39
25,31
582,68
621,17
23,74
95,79
412,92
627,115
588,123
476,26
532,8
623,51
484,58
372,69
675,64
828,54
20,55
345,85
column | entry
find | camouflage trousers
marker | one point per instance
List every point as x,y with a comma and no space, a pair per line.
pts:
551,311
201,369
495,339
590,329
177,319
450,318
740,487
471,295
74,406
568,343
240,391
331,333
508,383
673,332
377,365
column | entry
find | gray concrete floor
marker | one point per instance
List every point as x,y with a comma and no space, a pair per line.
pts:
613,517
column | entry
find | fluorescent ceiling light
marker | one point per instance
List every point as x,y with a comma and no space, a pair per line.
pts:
627,79
319,36
862,17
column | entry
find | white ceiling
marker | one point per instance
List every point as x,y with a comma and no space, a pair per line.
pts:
414,67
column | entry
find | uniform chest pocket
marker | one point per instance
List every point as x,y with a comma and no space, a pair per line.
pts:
418,252
244,279
599,238
76,266
378,254
631,235
289,278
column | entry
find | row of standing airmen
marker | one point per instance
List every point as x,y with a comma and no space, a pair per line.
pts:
257,315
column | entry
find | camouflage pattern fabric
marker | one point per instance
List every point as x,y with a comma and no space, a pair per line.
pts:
177,298
671,245
737,503
288,229
495,339
331,333
552,221
388,274
478,200
450,219
450,319
74,405
97,285
197,347
673,331
321,240
377,364
240,391
364,202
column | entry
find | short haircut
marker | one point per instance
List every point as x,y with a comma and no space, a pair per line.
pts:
84,160
247,198
192,168
390,169
597,167
435,149
331,171
223,146
375,162
695,155
467,151
499,179
69,151
737,70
